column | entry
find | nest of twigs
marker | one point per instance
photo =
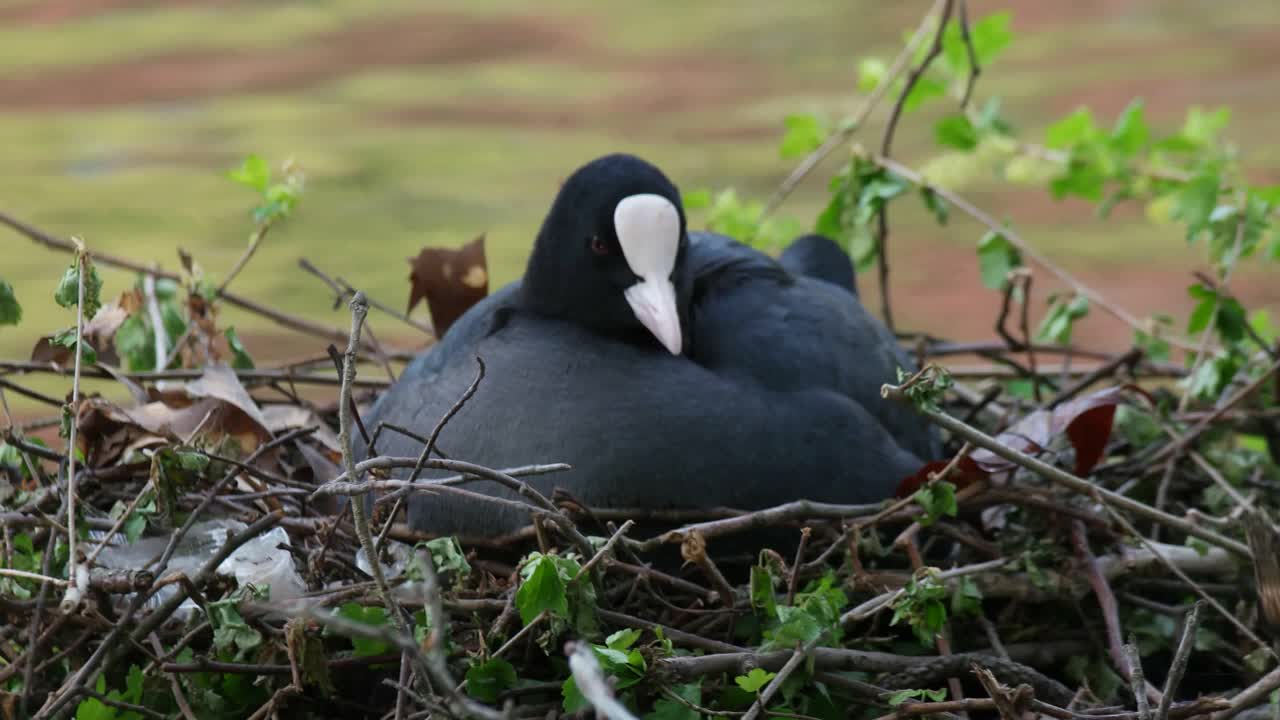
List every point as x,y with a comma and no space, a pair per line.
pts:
1090,550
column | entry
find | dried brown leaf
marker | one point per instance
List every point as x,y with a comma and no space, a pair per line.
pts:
450,280
282,418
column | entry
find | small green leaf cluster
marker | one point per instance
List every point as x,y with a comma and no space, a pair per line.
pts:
918,695
926,388
938,499
922,605
25,557
94,709
278,198
742,220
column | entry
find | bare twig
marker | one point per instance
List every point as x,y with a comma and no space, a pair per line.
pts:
975,69
77,574
359,310
1137,679
886,148
1190,624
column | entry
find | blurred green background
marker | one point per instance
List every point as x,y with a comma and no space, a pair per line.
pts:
429,122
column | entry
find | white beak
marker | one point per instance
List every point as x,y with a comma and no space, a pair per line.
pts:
653,300
648,228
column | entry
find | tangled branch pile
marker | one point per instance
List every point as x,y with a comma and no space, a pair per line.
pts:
1100,545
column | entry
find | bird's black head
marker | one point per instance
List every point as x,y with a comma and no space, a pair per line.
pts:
610,253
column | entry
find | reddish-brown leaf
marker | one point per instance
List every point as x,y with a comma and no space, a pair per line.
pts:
966,473
1086,421
450,280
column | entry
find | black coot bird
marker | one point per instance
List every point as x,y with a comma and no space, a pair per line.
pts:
670,369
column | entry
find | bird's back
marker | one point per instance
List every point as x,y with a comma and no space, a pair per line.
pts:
755,321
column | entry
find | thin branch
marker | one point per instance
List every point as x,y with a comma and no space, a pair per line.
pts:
1190,624
1066,479
291,322
1018,241
841,136
77,574
886,148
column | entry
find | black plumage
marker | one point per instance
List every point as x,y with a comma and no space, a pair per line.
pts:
773,397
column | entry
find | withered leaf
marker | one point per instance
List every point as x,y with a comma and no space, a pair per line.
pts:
450,280
1086,421
220,381
966,473
216,404
282,418
99,333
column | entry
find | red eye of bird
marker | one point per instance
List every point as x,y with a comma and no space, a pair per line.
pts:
598,246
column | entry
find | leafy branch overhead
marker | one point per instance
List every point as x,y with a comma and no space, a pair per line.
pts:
1098,532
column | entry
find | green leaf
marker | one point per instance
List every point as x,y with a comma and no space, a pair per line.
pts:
135,526
1232,322
67,339
697,199
956,131
1202,127
935,203
927,87
1269,194
1227,313
253,172
1196,202
901,696
990,36
372,615
1205,299
68,293
937,500
448,557
871,73
967,598
232,636
191,461
804,134
541,589
486,681
94,709
573,699
1130,133
135,343
762,595
991,119
1155,347
1081,178
240,359
622,639
1071,130
754,681
795,625
1058,323
665,708
1260,321
174,324
10,310
997,257
927,392
9,455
